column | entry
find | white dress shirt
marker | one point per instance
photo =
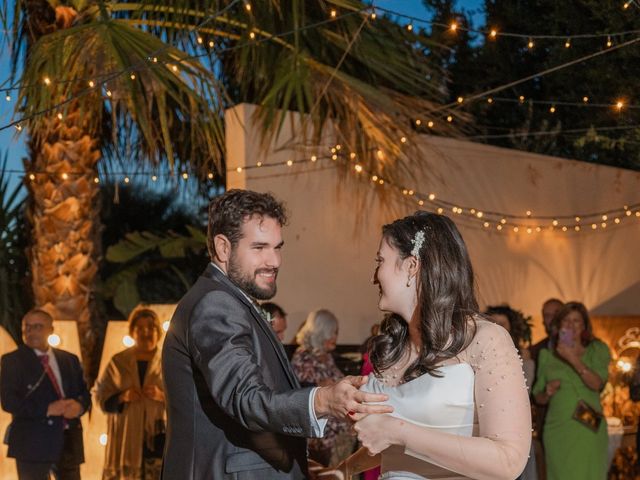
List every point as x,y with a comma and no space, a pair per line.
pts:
53,363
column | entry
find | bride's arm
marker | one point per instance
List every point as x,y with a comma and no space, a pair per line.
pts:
501,448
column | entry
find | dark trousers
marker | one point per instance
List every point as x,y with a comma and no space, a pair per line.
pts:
40,471
67,468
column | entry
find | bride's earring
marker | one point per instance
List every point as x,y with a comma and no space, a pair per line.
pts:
409,282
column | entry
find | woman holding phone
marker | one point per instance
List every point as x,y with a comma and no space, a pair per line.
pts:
570,377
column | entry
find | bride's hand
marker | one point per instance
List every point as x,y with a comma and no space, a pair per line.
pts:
377,432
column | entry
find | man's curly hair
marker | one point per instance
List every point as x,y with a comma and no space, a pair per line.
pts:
230,210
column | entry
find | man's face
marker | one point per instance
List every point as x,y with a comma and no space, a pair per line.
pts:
256,258
549,311
279,325
36,329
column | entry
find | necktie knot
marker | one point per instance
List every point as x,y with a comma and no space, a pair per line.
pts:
44,359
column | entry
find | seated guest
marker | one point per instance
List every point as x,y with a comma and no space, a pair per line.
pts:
278,318
130,391
571,374
314,365
43,389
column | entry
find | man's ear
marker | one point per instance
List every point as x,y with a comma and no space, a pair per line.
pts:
223,248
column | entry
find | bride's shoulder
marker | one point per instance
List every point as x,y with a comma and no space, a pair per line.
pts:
487,333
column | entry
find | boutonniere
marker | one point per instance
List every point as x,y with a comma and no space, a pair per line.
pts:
264,314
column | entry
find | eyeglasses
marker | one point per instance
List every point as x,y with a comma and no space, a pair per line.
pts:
37,327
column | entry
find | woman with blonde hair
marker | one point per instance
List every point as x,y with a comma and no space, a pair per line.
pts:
314,365
130,392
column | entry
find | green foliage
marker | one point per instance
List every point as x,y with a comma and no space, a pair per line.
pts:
155,248
15,290
142,254
476,64
169,82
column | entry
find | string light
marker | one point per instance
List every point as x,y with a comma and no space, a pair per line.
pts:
47,81
8,98
453,26
410,27
333,13
567,44
609,42
494,33
530,44
430,124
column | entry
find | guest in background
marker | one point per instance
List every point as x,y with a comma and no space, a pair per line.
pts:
278,318
634,394
130,391
570,376
314,365
514,322
549,310
43,389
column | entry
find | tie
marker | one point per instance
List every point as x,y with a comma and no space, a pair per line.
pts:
44,359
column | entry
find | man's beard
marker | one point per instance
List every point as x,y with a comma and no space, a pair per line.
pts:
247,283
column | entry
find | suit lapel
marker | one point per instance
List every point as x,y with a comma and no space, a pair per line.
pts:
215,274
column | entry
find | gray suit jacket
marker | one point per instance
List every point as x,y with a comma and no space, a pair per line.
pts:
235,408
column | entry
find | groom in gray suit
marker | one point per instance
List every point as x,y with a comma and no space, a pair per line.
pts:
235,408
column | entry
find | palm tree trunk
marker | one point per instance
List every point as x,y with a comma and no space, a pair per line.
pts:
65,223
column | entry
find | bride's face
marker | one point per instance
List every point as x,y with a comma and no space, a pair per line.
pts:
391,275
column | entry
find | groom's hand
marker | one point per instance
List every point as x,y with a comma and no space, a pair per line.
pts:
344,399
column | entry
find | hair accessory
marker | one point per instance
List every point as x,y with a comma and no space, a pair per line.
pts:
417,242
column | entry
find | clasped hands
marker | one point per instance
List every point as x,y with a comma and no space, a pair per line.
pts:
345,400
135,394
66,407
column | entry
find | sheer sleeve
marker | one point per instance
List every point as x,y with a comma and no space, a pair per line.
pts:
500,448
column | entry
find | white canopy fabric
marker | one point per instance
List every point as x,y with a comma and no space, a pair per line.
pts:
331,242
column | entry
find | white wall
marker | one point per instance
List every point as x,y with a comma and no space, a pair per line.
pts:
330,242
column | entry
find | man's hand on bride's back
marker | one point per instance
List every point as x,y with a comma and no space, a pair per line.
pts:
345,398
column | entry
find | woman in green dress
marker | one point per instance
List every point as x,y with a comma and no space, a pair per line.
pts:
570,376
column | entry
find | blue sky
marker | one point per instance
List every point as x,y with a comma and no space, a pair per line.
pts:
14,144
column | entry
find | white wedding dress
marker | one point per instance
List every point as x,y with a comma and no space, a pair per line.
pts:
479,404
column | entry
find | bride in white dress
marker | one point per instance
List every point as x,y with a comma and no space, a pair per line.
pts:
461,407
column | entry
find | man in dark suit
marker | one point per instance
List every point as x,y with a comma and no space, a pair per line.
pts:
235,408
44,390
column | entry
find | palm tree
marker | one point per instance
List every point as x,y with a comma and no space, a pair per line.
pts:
148,82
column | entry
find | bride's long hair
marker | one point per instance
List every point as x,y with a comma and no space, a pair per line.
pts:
446,304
